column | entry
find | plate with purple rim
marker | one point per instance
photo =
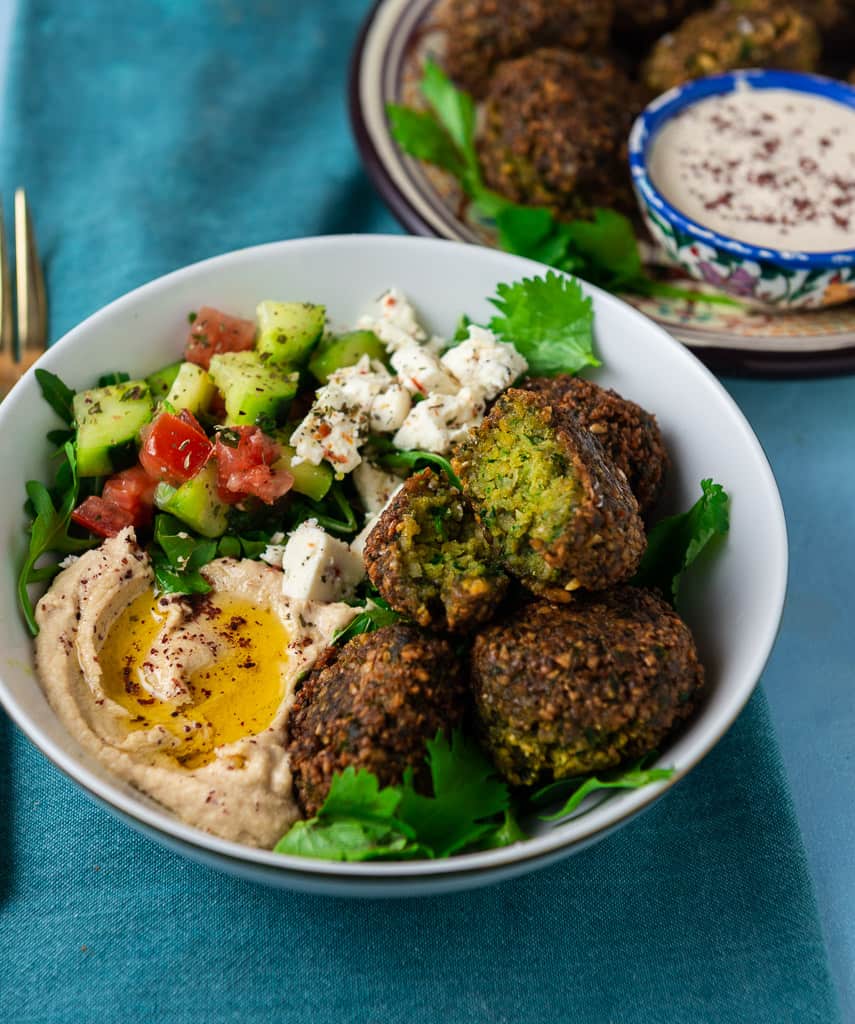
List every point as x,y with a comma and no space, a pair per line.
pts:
396,37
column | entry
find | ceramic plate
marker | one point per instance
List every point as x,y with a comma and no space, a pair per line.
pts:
395,38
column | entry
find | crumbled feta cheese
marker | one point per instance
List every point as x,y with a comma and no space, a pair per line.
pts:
483,363
318,567
337,423
440,421
421,372
374,486
68,561
389,409
393,321
273,555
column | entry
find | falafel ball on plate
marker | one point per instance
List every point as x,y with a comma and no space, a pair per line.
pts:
555,509
429,558
736,34
629,434
555,132
373,703
480,33
566,690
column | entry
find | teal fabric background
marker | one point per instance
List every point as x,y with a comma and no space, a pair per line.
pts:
151,134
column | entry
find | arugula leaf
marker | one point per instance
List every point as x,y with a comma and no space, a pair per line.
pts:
57,395
676,542
466,791
414,458
177,557
549,321
377,614
49,529
116,377
419,135
455,111
633,777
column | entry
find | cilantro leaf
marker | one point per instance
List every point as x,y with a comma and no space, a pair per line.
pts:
419,134
49,529
676,542
608,248
549,321
357,794
633,777
466,791
57,395
508,832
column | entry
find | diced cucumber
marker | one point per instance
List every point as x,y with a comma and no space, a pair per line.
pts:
287,331
161,381
192,389
253,388
313,481
195,502
108,423
340,350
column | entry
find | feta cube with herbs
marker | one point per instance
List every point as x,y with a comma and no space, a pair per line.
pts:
272,528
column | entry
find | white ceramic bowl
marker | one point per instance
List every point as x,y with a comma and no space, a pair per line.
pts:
733,607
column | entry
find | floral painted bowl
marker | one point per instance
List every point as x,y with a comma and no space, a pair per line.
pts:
773,279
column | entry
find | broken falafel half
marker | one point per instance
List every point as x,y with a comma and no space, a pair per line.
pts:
558,514
429,558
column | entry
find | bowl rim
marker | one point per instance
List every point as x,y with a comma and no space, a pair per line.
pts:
597,822
660,110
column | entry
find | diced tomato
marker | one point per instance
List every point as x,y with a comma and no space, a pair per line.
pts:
101,517
174,448
213,332
245,457
133,491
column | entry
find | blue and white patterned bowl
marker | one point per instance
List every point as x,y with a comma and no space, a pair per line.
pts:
771,278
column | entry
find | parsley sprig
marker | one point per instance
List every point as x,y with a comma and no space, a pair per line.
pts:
603,251
360,821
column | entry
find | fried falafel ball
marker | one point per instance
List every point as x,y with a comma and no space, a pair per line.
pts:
629,434
481,33
555,509
429,558
736,34
564,690
373,703
555,132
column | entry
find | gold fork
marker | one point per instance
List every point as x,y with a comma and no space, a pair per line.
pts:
30,299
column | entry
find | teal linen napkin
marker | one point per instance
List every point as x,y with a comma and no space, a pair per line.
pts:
151,134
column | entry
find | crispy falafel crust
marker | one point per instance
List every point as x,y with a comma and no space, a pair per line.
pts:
373,703
480,33
736,34
555,133
629,434
430,560
594,541
565,690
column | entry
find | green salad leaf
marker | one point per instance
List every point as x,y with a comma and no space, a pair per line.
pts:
377,613
676,542
57,394
48,530
177,556
633,777
359,820
390,457
550,322
603,251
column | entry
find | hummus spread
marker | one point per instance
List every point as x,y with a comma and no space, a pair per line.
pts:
186,698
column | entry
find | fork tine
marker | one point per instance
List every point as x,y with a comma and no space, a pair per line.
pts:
32,306
7,323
